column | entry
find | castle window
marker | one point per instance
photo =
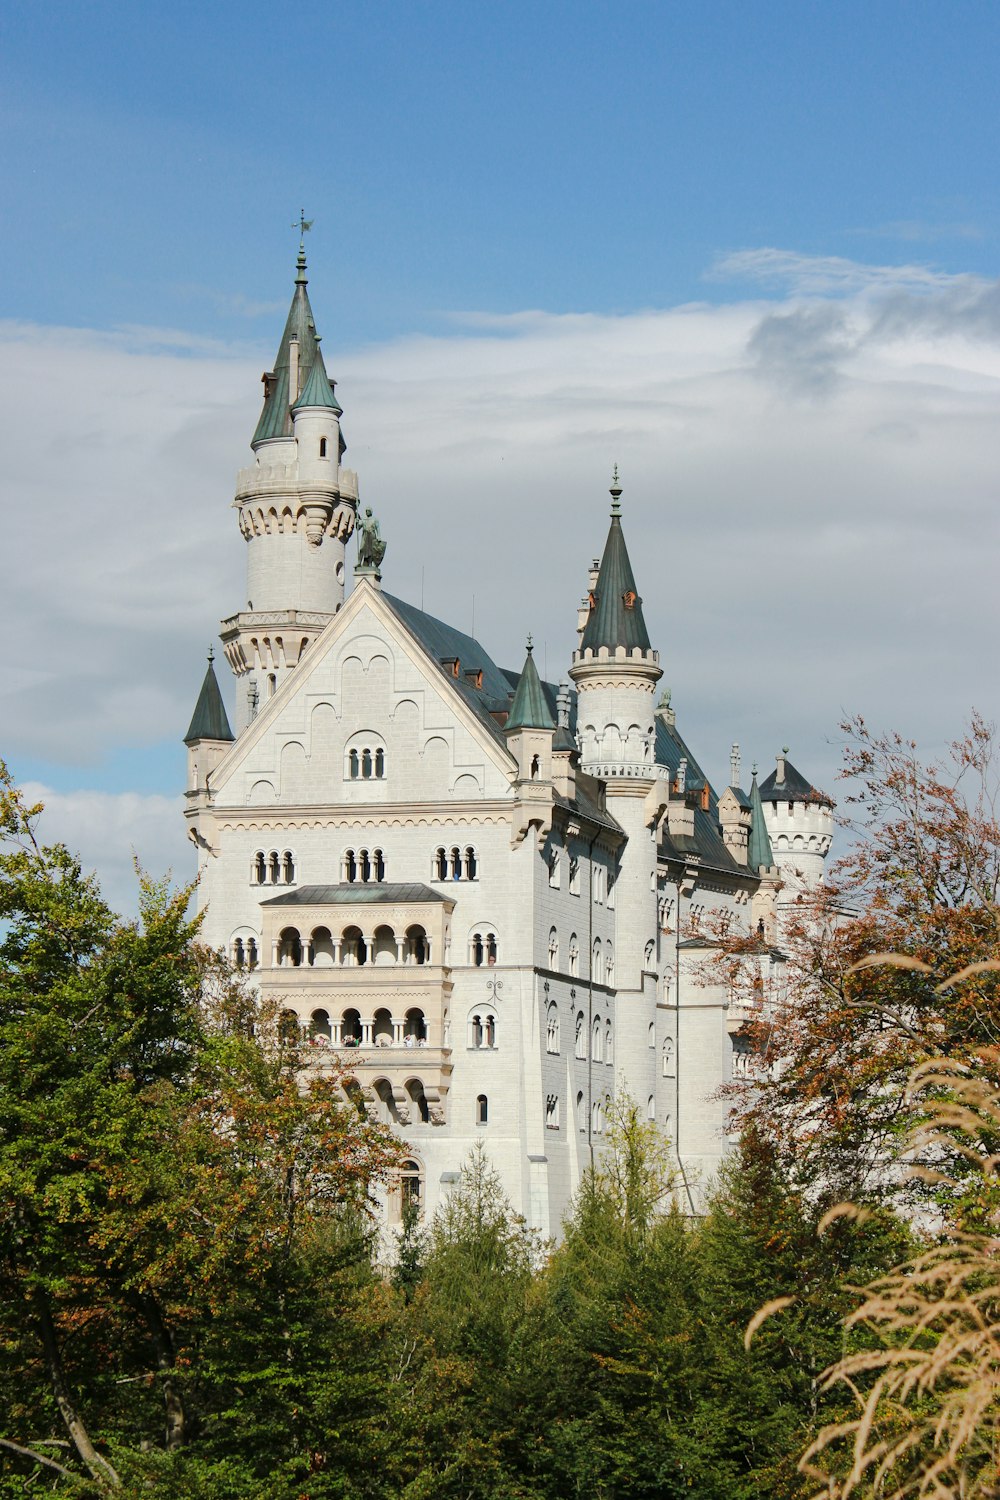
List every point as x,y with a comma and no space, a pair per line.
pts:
288,867
272,683
411,1189
252,959
365,762
554,873
288,1028
609,964
581,1114
322,447
483,1028
581,1035
597,963
574,875
364,865
355,765
440,864
553,948
482,1109
322,1031
552,1112
289,948
651,1108
668,1057
258,874
609,1055
597,1041
552,1028
273,867
483,949
471,864
366,765
238,957
574,956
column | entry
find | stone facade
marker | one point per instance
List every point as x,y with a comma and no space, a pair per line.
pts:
487,898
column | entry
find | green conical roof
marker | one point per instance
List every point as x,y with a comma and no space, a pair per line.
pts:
275,419
760,855
317,390
530,709
209,721
616,609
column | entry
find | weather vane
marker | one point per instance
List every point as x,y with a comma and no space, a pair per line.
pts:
303,225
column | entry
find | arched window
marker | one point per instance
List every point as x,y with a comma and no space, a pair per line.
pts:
597,1118
483,1028
553,948
581,1035
288,1028
238,958
252,959
574,956
597,963
668,1057
440,864
288,867
456,864
534,767
350,867
379,764
415,1028
552,1112
378,865
322,1031
353,948
415,1089
574,875
651,1034
354,764
350,1028
259,875
581,1113
365,759
321,948
651,1108
289,948
609,1055
382,1027
552,1027
597,1040
416,945
364,865
483,948
411,1190
609,965
273,869
471,864
322,447
366,764
553,863
482,1109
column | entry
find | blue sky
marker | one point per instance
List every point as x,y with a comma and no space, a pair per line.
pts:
748,252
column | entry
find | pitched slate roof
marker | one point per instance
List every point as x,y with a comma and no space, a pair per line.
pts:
793,786
209,721
706,843
615,617
363,893
275,419
318,389
529,709
760,855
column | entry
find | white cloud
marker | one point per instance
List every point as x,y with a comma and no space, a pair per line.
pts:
110,831
823,275
810,501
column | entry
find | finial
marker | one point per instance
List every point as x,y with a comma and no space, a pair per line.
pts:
753,769
616,493
303,226
784,749
530,646
211,655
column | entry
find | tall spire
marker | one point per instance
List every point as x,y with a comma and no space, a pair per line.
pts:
300,327
760,855
530,709
209,721
615,617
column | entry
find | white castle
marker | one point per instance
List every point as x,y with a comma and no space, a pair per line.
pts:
487,897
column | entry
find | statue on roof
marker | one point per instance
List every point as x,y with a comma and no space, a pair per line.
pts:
371,547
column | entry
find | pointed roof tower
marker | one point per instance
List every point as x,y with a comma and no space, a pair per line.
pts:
615,607
275,419
530,709
786,784
760,855
318,388
209,721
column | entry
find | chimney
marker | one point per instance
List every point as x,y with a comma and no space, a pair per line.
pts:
780,758
734,765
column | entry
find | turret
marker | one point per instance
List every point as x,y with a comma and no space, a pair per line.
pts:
529,733
760,858
615,668
800,827
209,735
297,508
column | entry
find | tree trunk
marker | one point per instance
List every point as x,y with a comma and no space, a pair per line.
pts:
99,1468
163,1346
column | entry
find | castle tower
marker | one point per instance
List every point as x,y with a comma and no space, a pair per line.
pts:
616,670
800,826
297,507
